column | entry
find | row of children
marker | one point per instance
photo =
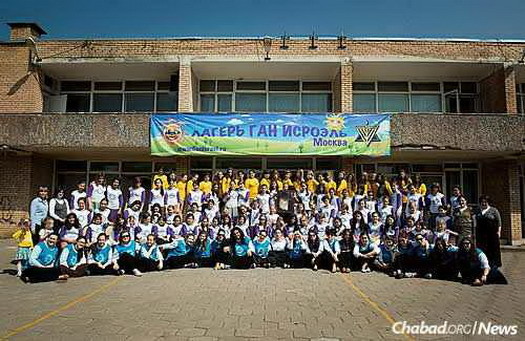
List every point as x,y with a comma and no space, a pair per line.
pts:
46,261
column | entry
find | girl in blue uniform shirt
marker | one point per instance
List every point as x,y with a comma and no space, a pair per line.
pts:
150,257
202,251
443,260
296,248
220,250
403,256
331,251
43,262
261,244
127,250
422,256
385,259
241,249
102,259
346,246
473,264
73,259
365,252
179,252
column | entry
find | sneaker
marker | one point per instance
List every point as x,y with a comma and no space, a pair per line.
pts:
137,272
428,276
477,283
399,275
25,279
19,274
410,274
253,266
63,277
121,272
315,267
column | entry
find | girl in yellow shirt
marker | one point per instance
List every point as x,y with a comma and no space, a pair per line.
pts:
24,240
252,184
181,186
205,184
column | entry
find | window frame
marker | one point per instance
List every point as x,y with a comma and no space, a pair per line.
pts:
443,98
123,92
267,93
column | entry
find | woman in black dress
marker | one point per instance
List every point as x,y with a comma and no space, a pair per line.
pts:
488,231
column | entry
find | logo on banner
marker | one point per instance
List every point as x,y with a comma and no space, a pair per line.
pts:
173,132
367,134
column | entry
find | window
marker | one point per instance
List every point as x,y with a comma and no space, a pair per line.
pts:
107,102
326,164
240,163
415,96
520,92
265,96
466,175
294,163
247,102
117,96
461,97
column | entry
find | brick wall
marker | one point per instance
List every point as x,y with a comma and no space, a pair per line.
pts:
243,47
510,90
185,87
14,190
21,176
500,181
19,85
492,92
346,87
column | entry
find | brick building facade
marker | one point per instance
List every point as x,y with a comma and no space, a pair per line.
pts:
72,108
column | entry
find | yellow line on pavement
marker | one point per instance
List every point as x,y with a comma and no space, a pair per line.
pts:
374,305
66,306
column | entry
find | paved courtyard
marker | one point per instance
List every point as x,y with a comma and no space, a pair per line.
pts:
202,304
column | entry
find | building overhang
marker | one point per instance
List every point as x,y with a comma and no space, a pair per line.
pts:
419,69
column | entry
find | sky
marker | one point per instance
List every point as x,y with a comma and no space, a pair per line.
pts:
477,19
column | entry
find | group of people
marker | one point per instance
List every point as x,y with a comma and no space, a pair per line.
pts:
268,219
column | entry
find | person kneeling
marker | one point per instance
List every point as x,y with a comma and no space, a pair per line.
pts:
73,261
261,243
473,264
127,255
150,257
43,262
365,252
102,259
296,250
331,251
179,253
202,251
241,249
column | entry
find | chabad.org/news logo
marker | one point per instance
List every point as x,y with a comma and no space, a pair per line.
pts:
445,328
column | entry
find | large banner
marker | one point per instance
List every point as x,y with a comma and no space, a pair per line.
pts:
270,134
